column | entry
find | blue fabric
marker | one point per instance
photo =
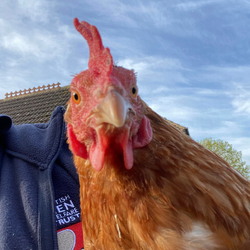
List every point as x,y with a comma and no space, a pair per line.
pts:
5,124
36,167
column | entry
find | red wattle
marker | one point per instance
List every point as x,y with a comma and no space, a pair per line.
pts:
77,147
127,148
97,151
96,157
128,155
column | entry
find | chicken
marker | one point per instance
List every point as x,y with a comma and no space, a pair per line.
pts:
144,184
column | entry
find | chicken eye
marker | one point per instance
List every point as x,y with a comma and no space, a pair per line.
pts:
76,97
134,91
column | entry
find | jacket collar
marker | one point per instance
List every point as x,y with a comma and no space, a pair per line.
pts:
5,124
37,143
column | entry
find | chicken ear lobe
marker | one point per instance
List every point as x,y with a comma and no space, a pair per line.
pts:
77,147
144,134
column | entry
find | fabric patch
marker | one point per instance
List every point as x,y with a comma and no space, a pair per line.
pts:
66,212
70,238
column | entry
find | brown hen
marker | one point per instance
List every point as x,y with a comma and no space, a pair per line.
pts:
144,185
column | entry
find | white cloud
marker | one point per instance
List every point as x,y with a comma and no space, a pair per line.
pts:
40,46
242,102
152,13
116,10
218,130
25,32
160,89
193,5
36,10
13,82
18,43
136,65
173,107
208,92
233,82
227,75
241,98
156,67
69,32
3,25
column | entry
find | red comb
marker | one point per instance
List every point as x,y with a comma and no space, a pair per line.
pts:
100,59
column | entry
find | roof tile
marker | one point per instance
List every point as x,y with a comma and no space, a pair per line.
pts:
35,107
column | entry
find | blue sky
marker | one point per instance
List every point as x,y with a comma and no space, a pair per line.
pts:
191,57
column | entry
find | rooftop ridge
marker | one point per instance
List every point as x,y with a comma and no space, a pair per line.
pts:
32,91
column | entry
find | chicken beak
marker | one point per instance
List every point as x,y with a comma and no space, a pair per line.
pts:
113,109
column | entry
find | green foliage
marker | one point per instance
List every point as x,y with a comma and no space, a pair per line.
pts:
226,151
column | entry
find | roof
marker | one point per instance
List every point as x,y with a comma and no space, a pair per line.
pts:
37,107
183,129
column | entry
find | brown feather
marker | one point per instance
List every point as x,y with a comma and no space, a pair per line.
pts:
178,195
